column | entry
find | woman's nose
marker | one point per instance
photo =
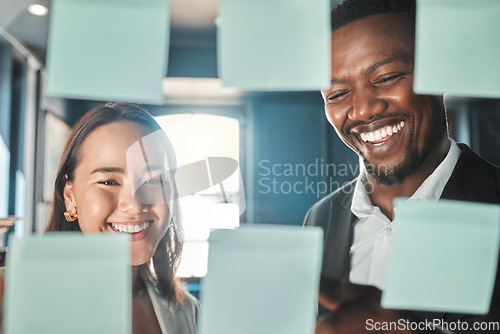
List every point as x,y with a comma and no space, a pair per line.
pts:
128,203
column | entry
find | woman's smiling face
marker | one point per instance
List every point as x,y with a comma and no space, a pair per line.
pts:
104,183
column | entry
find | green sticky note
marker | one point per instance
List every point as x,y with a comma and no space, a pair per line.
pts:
64,283
262,279
274,44
108,49
458,47
444,256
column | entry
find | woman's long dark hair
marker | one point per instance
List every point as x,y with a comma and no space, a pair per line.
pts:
167,255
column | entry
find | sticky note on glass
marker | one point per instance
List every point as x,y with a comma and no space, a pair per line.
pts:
274,44
108,49
444,256
68,283
262,279
458,47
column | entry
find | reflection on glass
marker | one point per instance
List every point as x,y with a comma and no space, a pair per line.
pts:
214,198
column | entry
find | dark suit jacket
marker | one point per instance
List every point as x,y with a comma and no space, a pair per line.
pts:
473,179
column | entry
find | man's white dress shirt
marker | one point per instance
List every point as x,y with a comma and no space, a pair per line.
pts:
373,232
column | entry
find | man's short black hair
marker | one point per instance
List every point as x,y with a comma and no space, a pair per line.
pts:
353,10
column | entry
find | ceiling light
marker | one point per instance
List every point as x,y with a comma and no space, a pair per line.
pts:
197,87
38,10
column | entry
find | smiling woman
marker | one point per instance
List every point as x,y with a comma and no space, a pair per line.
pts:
116,176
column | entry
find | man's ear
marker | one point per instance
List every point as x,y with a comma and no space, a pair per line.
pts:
69,197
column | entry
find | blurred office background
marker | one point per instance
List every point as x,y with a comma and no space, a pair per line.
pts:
289,155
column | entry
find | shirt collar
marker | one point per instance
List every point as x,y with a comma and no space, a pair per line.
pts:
361,205
431,188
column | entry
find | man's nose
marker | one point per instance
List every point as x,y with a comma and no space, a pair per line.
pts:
365,103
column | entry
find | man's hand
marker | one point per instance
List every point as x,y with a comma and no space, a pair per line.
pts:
352,308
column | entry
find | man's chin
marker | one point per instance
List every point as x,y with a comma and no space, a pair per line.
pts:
392,175
390,178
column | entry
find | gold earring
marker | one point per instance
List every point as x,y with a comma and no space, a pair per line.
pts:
69,217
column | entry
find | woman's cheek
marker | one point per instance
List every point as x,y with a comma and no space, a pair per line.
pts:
162,212
98,206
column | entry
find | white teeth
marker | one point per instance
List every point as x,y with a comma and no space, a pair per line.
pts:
127,228
381,133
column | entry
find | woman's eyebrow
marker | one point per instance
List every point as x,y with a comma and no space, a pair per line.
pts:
149,169
107,170
154,168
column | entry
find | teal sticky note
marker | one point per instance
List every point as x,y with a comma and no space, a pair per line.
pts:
262,279
108,49
458,47
444,256
274,44
64,283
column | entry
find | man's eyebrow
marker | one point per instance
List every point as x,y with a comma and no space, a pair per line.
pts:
107,170
337,81
373,67
385,61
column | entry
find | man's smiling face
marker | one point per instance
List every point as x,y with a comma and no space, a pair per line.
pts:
371,103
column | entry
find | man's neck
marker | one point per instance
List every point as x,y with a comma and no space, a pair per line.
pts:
384,195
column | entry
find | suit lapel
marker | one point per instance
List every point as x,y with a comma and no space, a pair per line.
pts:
473,179
339,236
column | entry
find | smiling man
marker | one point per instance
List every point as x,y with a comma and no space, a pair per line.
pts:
402,141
